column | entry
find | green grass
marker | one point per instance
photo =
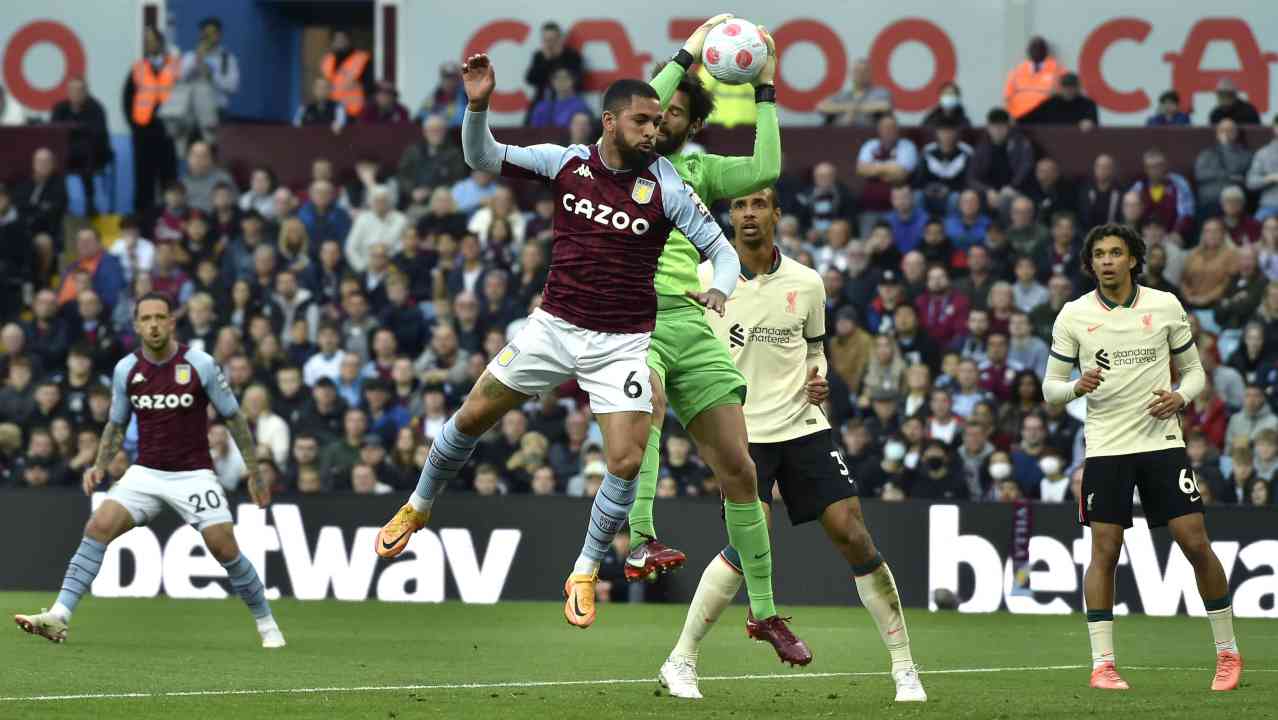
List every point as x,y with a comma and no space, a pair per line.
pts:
164,646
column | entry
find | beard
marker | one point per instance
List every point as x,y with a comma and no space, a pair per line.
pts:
670,145
633,157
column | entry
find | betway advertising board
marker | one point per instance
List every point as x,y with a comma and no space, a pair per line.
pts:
1126,52
488,550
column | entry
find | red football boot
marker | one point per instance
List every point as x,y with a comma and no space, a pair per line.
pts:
774,630
652,558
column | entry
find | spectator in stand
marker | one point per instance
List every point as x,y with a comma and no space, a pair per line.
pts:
1256,416
403,317
1165,196
906,220
323,109
211,75
382,224
1242,296
150,82
1061,255
1026,236
323,217
260,195
1228,382
1252,359
885,161
1100,199
98,267
827,199
1050,192
834,253
996,376
914,275
473,191
448,99
1208,267
441,216
1169,112
971,345
1030,83
942,312
850,349
1222,164
1242,228
1002,163
134,252
1155,236
942,171
937,476
863,103
553,55
1133,212
1025,351
443,361
1025,456
42,200
48,334
563,102
967,225
1207,417
915,345
1229,105
501,207
1067,106
1262,176
386,109
202,176
431,162
15,257
328,360
949,109
348,73
1059,291
89,147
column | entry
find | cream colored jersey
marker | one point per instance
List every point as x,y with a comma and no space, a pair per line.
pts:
767,325
1133,345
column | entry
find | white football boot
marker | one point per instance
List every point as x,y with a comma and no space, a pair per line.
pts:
909,688
47,625
271,636
679,676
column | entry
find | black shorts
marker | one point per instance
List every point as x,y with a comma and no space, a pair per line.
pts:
1168,487
809,470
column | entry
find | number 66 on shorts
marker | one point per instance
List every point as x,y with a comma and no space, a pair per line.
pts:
611,367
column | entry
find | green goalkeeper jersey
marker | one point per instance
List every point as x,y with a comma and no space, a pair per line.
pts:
714,178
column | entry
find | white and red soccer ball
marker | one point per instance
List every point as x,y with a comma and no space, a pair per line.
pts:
734,52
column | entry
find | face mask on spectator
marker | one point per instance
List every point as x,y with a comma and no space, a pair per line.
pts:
1000,470
894,451
949,102
1050,465
935,463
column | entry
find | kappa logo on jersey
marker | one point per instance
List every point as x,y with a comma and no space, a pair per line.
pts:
603,214
642,191
182,374
736,336
583,171
1102,359
162,401
791,299
137,379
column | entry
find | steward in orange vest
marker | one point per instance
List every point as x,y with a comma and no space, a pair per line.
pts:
152,87
347,70
1032,82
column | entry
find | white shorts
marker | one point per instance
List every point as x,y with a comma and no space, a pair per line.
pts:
196,495
611,367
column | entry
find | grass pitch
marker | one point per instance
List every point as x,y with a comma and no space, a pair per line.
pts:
165,658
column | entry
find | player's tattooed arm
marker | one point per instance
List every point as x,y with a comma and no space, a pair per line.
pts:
237,426
108,448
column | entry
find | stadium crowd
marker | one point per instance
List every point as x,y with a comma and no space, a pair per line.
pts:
352,315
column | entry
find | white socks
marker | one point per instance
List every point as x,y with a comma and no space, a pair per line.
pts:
585,566
1101,633
879,595
719,585
265,624
1222,629
61,611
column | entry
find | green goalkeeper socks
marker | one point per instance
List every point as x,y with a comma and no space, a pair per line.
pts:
748,533
641,512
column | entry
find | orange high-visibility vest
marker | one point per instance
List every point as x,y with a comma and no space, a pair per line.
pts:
1026,89
347,89
152,89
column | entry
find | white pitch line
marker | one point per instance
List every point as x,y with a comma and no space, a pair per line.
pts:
560,683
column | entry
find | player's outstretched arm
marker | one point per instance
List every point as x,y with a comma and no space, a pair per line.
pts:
108,448
730,177
481,149
667,81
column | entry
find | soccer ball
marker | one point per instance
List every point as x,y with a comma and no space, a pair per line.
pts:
734,52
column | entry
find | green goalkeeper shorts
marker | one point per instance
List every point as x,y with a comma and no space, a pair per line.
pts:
694,365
